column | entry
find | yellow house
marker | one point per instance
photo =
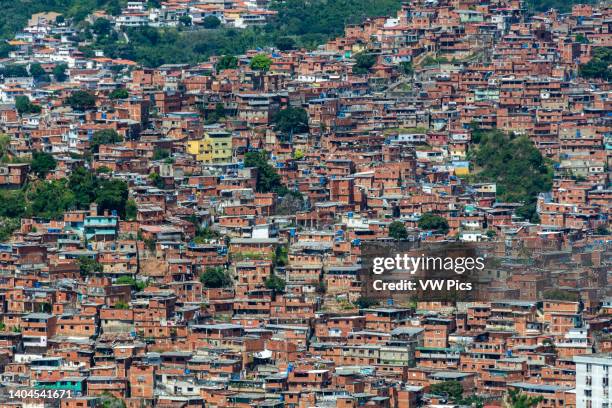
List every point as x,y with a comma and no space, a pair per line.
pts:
214,147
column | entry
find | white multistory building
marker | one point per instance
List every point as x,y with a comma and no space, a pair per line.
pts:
594,380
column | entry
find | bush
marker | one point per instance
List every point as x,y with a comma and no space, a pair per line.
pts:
12,203
88,266
49,199
261,62
285,43
160,154
406,68
268,179
227,62
211,22
81,100
112,195
366,302
560,294
430,221
59,72
135,284
122,305
397,230
119,93
186,21
275,283
23,105
131,210
37,72
452,389
291,120
102,137
42,164
7,227
515,165
363,63
215,278
599,66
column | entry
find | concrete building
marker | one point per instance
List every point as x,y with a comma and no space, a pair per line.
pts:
593,381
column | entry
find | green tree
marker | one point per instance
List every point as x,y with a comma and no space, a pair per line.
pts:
406,68
5,147
108,400
103,137
600,66
13,70
291,120
113,7
363,63
81,100
160,154
560,294
545,5
7,227
137,285
215,278
131,209
59,72
216,115
84,185
42,164
122,306
308,22
103,170
37,71
430,221
119,93
185,20
275,283
366,302
112,196
89,266
397,230
515,165
261,62
211,22
452,389
227,62
204,235
472,401
23,105
581,39
516,399
157,180
101,27
50,199
281,256
268,179
5,49
12,204
284,43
